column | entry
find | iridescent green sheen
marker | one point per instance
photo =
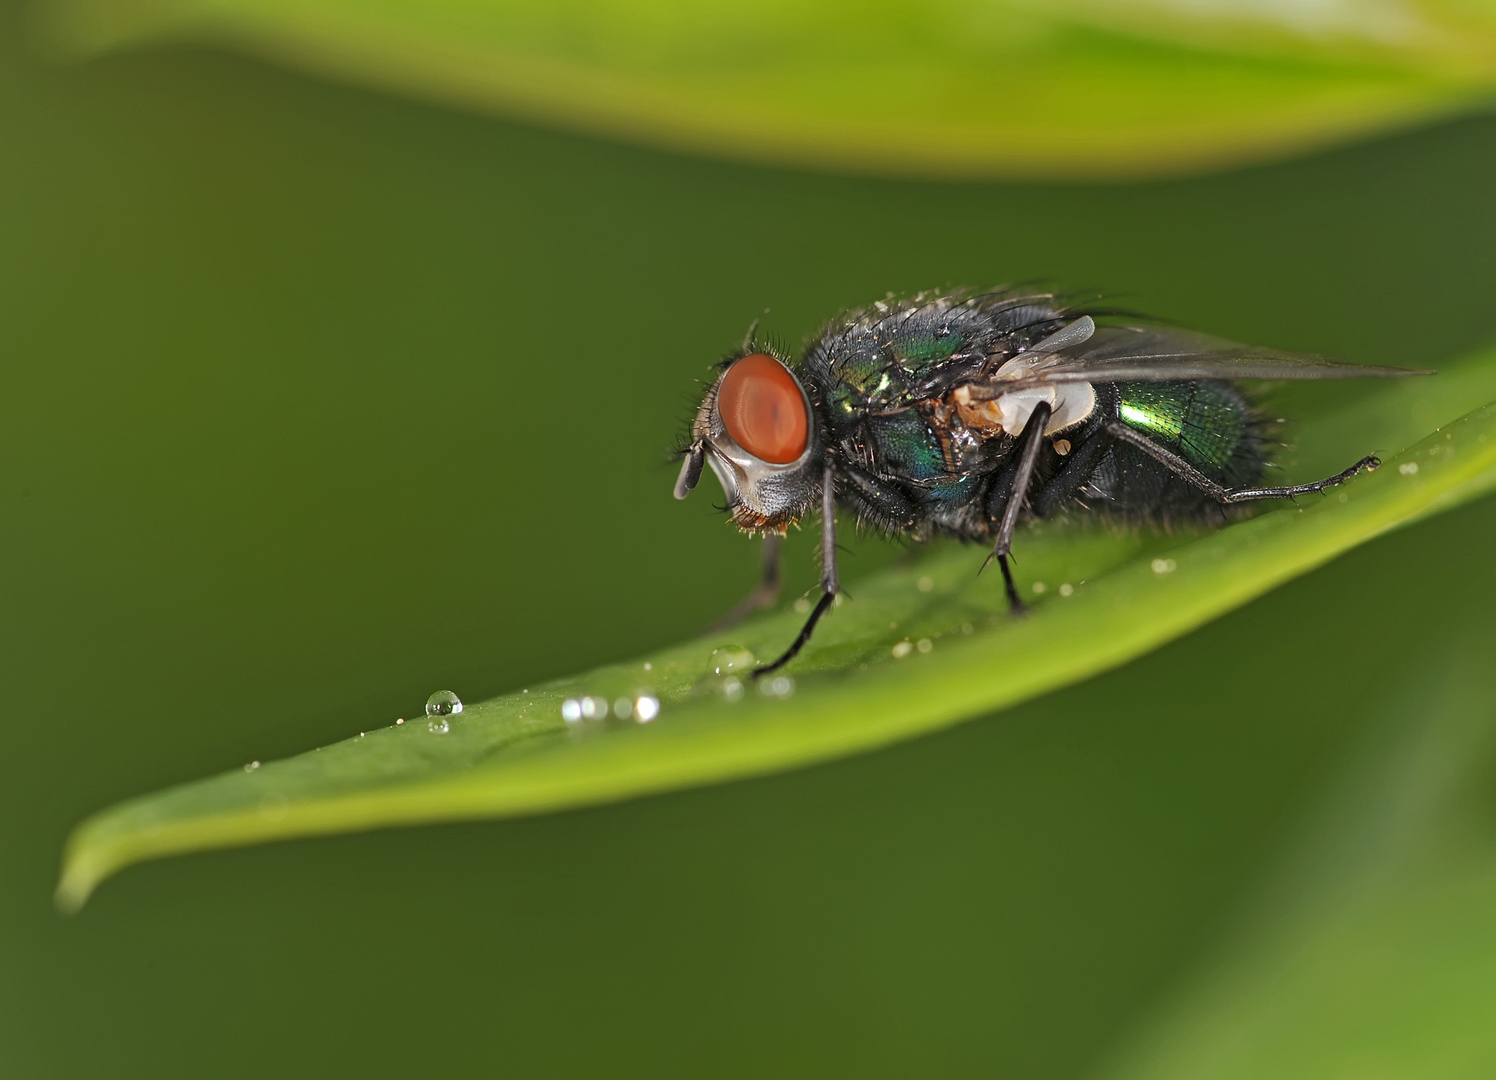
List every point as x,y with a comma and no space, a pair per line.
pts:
904,442
912,353
1203,422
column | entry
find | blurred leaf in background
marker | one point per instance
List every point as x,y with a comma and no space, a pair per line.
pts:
1056,88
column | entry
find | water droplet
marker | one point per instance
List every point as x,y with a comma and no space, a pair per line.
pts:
779,686
623,708
902,649
924,644
1408,468
646,708
443,703
594,708
967,629
731,658
571,710
1067,589
1164,566
400,721
732,688
648,666
925,584
252,766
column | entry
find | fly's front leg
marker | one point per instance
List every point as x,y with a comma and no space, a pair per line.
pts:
1033,438
830,586
762,596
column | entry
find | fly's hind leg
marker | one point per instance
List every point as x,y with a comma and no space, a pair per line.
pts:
1033,437
1222,494
764,594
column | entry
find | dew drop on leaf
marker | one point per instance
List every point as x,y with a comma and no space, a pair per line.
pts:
443,703
730,659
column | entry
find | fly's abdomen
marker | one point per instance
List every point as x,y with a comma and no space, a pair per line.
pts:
1208,424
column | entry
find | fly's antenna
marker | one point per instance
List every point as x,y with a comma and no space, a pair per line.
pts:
690,470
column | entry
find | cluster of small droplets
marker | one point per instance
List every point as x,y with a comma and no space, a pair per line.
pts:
641,708
440,706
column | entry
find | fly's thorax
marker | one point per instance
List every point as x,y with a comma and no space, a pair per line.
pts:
757,430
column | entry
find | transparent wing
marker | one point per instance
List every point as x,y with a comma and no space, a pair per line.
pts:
1163,354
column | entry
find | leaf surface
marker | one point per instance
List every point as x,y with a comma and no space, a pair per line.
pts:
1079,88
914,649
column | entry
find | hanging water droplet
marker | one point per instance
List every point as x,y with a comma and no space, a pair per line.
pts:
443,703
732,688
646,708
571,710
731,659
623,708
252,766
902,649
924,644
595,708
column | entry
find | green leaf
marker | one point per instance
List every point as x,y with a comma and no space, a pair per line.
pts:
1373,942
945,88
917,648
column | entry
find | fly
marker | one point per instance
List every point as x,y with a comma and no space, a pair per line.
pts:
959,414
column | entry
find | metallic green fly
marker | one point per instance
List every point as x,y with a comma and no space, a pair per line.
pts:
958,414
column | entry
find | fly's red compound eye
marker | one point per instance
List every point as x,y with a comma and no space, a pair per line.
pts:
763,409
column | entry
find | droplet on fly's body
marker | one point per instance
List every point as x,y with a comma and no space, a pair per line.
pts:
731,660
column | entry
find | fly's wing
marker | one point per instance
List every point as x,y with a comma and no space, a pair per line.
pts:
1163,354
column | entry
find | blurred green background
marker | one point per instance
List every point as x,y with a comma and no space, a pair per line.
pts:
318,399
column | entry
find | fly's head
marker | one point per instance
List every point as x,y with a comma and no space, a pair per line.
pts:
757,430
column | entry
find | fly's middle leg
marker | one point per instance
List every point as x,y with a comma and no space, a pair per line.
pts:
1033,438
